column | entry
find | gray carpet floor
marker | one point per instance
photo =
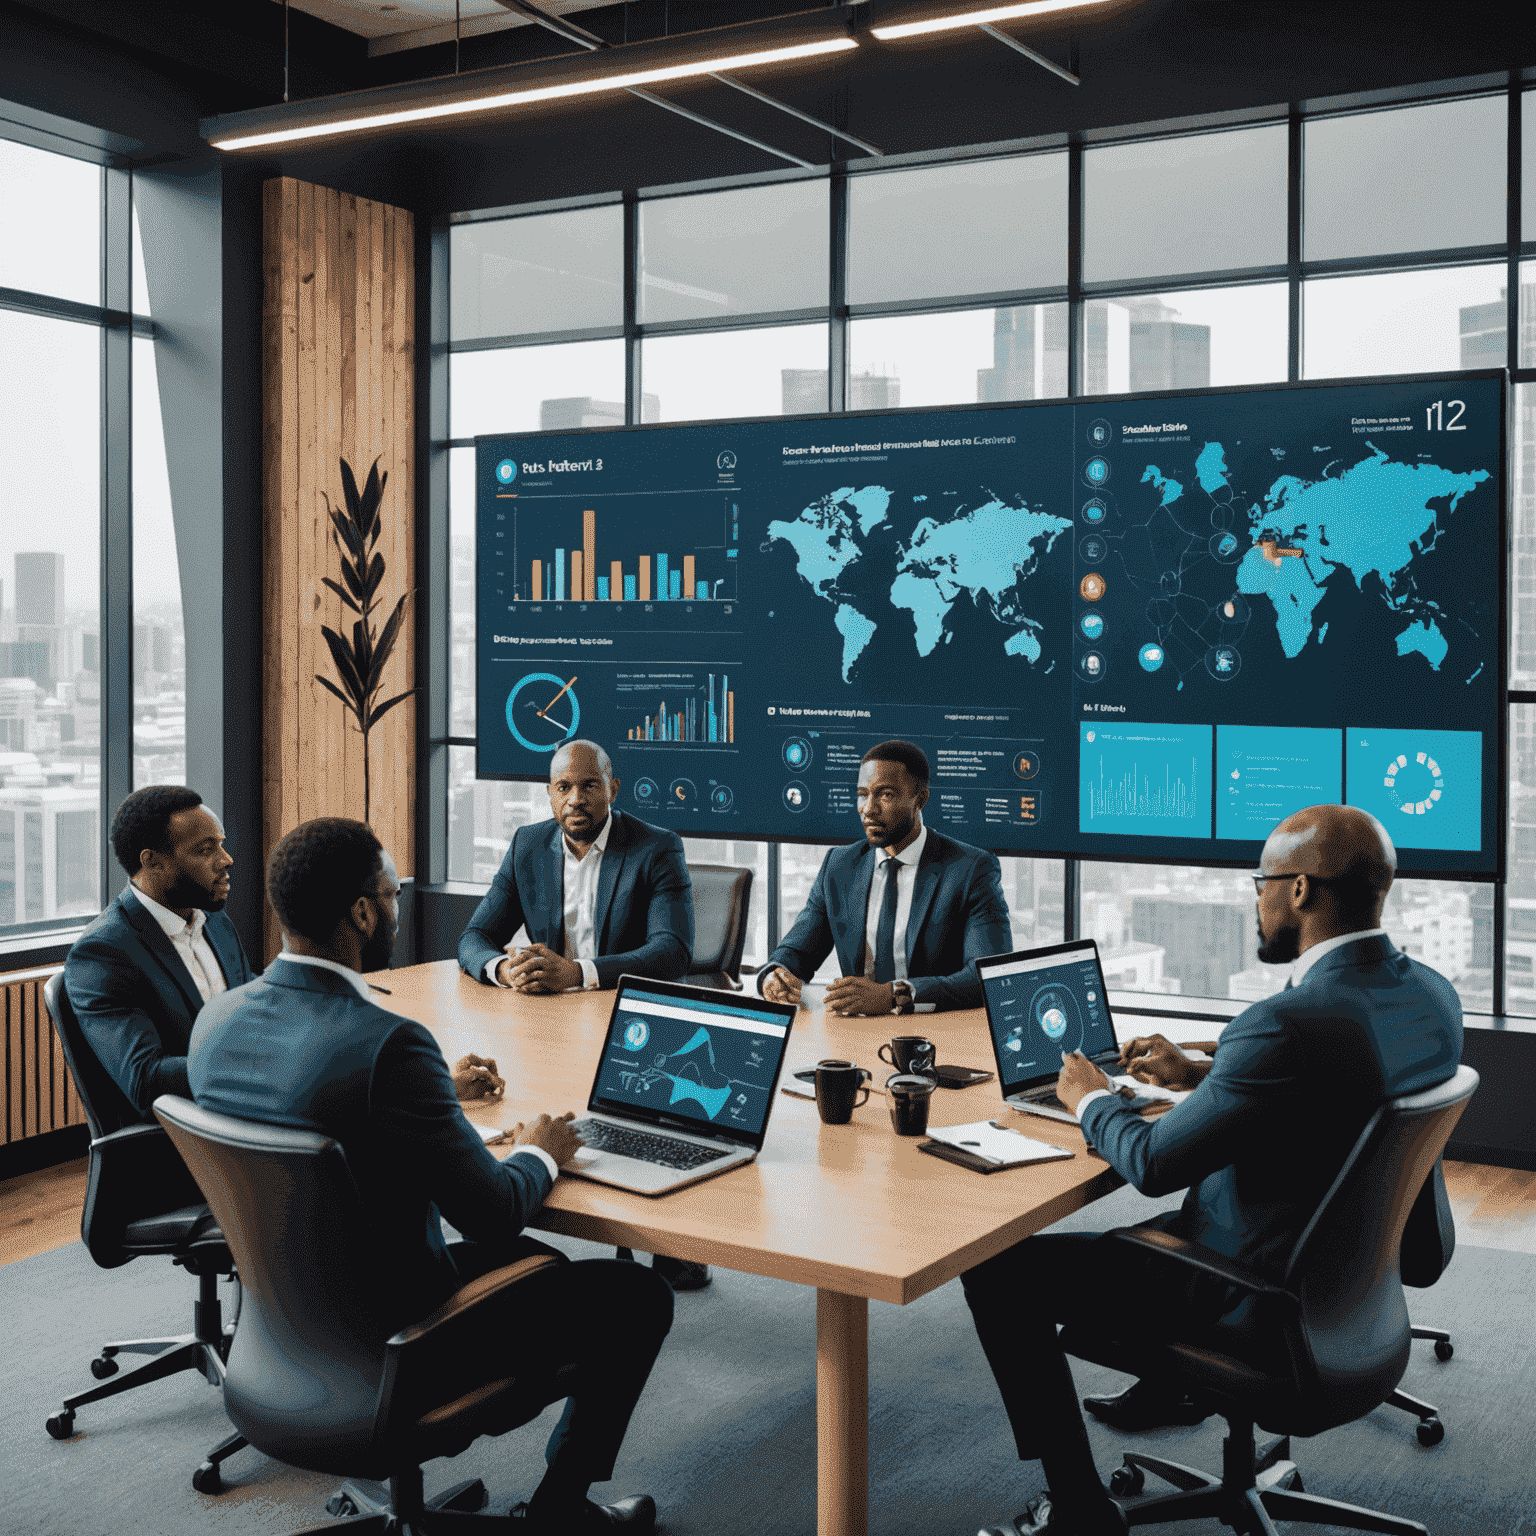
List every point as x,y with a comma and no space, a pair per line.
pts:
726,1434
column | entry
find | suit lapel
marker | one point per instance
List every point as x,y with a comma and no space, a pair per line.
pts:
851,952
608,879
155,941
924,887
225,944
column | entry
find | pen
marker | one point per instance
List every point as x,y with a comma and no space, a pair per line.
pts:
384,990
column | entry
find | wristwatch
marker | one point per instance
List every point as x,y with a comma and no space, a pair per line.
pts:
901,996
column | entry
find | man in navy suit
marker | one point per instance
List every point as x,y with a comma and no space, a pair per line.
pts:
601,894
907,909
140,974
1257,1143
305,1045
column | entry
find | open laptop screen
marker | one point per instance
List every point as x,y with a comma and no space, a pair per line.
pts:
1043,1002
693,1059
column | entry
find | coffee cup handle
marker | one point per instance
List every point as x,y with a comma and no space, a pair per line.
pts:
859,1103
885,1054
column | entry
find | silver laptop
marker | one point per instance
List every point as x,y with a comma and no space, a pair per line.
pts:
684,1086
1041,1002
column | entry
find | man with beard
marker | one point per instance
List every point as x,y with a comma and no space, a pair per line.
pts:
305,1045
1257,1144
140,974
907,909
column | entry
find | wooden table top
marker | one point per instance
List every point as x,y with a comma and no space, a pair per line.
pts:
851,1208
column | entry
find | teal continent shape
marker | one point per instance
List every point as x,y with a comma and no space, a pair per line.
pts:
1424,637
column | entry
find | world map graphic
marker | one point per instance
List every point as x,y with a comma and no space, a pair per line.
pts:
982,548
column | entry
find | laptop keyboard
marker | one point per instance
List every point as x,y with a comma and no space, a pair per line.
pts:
645,1147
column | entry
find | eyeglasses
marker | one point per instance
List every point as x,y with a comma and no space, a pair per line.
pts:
1259,878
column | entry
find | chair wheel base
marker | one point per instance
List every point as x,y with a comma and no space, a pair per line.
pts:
207,1479
1127,1482
103,1366
60,1425
1444,1349
1430,1432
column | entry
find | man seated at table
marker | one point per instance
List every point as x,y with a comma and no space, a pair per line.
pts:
601,893
306,1046
1360,1023
141,972
907,909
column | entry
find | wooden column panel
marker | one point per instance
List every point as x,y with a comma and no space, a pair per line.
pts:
338,382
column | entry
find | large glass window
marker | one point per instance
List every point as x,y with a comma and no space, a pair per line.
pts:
1189,340
773,371
536,389
753,251
986,226
1412,179
1205,203
50,224
958,357
1402,322
545,272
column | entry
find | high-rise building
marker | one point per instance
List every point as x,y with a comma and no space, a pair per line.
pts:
1029,355
40,588
571,411
1206,942
1166,352
805,391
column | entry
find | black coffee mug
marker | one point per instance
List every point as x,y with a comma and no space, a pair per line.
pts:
909,1094
838,1084
910,1053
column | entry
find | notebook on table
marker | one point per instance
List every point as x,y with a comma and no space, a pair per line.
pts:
684,1087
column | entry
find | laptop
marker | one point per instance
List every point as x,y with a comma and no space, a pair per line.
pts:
684,1086
1041,1002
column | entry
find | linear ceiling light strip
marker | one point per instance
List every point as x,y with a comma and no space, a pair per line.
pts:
502,99
977,18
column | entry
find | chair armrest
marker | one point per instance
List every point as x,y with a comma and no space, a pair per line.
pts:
1203,1260
445,1357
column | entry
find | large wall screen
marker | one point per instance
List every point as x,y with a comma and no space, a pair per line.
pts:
1142,628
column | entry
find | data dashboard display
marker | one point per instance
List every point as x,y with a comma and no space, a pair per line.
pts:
1141,628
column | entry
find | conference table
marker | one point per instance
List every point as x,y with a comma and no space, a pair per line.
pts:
853,1210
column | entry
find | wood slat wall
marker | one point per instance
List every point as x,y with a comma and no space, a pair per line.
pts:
338,378
39,1092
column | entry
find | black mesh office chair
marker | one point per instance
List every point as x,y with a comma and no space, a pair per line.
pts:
311,1380
722,896
1340,1313
140,1201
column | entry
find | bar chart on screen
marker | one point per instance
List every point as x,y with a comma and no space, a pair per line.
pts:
677,547
677,706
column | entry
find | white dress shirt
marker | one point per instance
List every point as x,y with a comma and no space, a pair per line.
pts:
579,881
358,985
193,950
1304,963
906,878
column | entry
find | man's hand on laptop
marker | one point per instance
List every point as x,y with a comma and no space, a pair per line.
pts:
781,986
539,969
1157,1060
550,1134
1078,1077
475,1077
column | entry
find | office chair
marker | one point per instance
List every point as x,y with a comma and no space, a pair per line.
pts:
1340,1312
310,1379
141,1201
1429,1240
722,896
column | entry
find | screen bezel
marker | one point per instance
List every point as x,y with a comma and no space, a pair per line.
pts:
706,996
1045,952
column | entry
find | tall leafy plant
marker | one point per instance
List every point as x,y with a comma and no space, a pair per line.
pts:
360,665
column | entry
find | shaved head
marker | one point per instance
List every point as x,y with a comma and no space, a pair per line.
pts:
561,761
1337,864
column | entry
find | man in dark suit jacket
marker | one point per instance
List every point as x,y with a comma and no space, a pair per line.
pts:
1257,1144
907,909
601,893
305,1046
139,975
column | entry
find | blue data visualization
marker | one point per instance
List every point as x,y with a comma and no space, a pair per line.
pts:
1147,780
1265,773
1425,787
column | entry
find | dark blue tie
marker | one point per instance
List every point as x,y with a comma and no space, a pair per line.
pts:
885,934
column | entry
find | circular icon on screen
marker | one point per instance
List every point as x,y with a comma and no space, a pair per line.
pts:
506,471
1096,471
1093,548
683,792
1026,764
1090,666
1227,547
797,796
1094,511
1100,433
1054,1022
727,460
1223,662
636,1033
1091,587
1151,657
721,798
1091,625
647,790
796,753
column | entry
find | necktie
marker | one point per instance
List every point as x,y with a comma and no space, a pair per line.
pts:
885,934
